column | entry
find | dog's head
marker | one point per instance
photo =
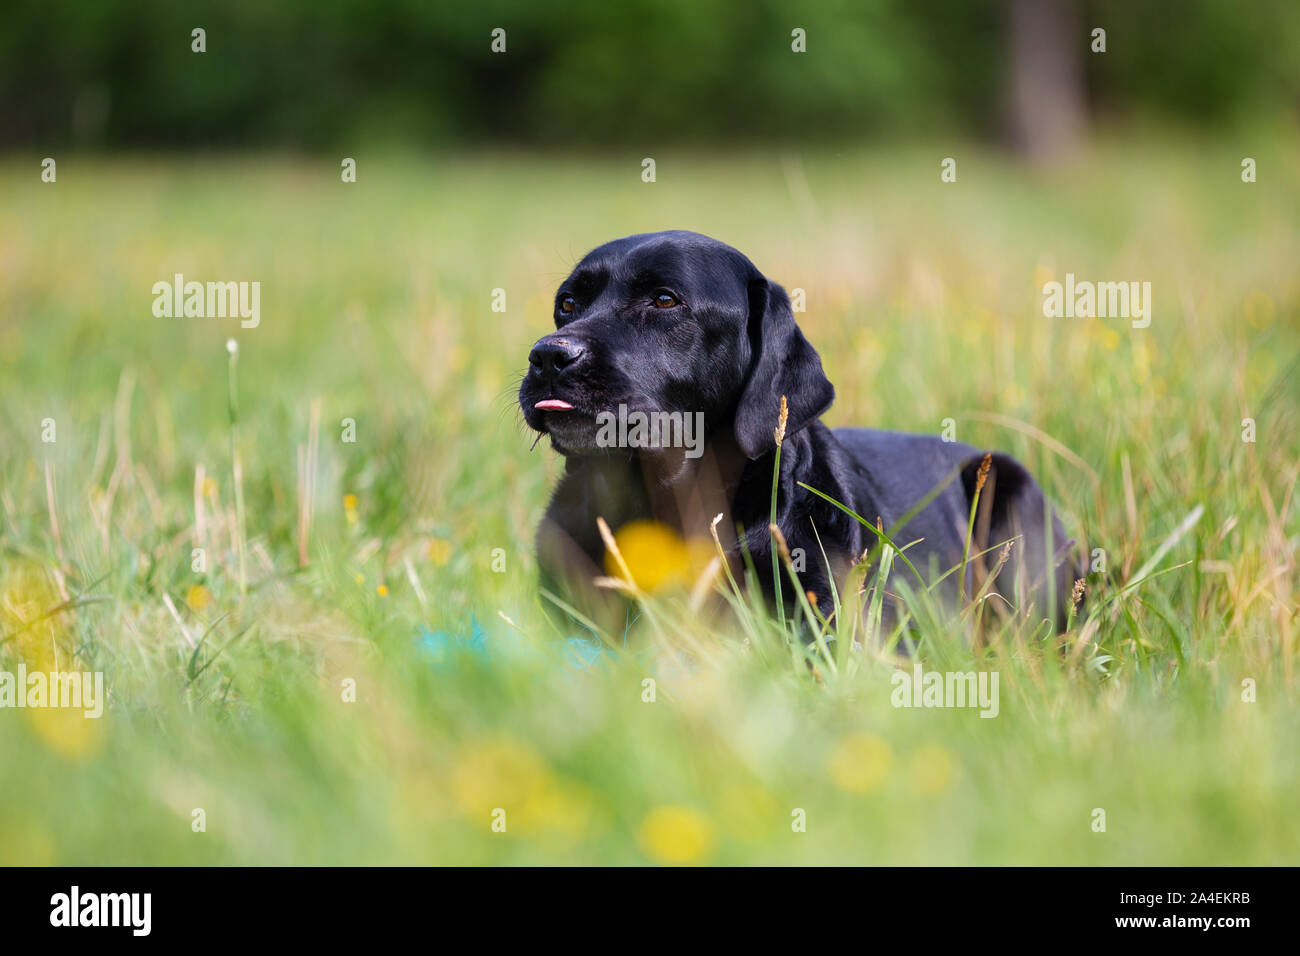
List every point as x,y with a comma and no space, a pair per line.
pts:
671,322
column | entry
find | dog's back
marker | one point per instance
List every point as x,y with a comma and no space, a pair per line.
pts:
1038,568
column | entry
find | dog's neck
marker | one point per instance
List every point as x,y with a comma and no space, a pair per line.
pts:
686,494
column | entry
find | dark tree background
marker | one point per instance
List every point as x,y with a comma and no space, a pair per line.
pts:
595,72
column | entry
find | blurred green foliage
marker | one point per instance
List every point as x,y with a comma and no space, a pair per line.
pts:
641,72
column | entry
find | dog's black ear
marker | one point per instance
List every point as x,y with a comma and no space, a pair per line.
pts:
784,363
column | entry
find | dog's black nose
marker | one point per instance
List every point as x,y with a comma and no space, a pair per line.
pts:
551,356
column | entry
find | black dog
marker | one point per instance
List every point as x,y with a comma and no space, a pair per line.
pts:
678,322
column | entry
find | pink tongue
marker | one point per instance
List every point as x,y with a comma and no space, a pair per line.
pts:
553,405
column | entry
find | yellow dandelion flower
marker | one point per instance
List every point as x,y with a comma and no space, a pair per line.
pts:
656,556
497,773
67,730
439,551
860,763
676,835
382,590
198,597
564,810
699,552
350,502
27,595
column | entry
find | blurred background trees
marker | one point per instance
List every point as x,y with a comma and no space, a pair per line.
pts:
643,72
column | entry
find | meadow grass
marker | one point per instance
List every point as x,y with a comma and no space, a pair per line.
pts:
374,561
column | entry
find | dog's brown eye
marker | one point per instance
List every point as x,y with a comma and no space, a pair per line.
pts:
665,300
567,304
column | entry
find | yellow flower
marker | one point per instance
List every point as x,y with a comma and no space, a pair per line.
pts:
439,551
860,763
564,809
656,557
350,502
502,773
497,773
382,590
39,639
67,730
676,835
209,487
26,597
931,770
198,597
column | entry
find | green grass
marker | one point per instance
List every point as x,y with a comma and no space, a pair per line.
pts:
376,305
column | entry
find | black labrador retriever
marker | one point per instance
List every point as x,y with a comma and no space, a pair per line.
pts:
683,327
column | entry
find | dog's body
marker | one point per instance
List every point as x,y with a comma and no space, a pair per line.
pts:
679,322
